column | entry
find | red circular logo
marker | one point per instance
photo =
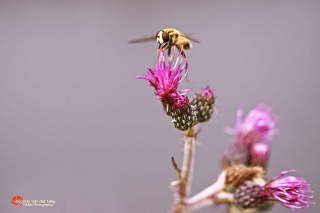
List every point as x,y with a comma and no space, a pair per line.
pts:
17,200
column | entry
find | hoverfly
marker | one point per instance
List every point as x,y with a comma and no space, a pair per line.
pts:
169,39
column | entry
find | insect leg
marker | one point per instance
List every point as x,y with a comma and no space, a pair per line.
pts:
182,53
172,53
163,48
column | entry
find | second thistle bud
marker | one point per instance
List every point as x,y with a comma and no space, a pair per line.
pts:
204,104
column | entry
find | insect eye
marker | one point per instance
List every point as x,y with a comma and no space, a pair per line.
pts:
165,36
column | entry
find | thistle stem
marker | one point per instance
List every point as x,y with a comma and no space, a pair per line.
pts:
209,192
183,187
218,198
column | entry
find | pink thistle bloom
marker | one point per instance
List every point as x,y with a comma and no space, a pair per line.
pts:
251,137
165,78
258,126
292,192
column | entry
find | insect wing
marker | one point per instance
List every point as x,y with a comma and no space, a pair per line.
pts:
190,38
142,39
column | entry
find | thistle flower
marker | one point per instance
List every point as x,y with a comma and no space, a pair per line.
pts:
204,103
165,78
251,137
292,192
258,126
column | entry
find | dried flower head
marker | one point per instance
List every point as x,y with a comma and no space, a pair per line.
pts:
240,173
258,126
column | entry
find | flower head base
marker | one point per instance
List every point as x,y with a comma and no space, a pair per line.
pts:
247,196
258,126
292,192
183,117
240,173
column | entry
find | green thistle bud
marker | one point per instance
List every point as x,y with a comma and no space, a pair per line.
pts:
204,104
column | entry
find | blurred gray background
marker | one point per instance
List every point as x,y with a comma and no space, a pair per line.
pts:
78,128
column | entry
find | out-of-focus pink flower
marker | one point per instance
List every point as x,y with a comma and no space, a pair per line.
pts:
258,126
260,153
252,135
292,192
165,78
